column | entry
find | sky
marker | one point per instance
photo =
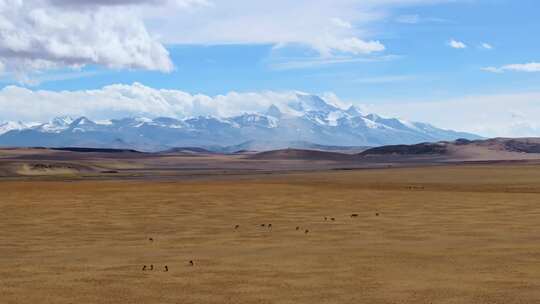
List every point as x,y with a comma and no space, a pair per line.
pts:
468,65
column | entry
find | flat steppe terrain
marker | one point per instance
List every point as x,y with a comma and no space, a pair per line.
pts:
443,234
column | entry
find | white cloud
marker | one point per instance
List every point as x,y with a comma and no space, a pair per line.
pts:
508,115
352,45
486,46
385,79
408,19
330,27
35,36
341,23
457,44
415,19
312,62
118,101
492,70
530,67
527,67
73,3
86,3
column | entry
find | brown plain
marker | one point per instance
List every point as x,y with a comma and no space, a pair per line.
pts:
444,234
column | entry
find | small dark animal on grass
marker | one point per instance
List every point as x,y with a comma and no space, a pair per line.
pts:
263,225
306,232
354,215
269,226
166,268
236,227
325,218
297,227
151,239
152,267
377,214
333,219
144,268
191,263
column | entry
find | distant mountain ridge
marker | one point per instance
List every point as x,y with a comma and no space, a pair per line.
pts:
306,119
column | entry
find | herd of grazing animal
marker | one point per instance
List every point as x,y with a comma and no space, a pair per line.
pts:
165,267
236,227
333,219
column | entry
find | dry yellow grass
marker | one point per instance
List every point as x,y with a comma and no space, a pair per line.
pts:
459,234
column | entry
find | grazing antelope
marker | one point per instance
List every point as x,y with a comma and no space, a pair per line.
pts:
152,267
144,268
166,268
191,263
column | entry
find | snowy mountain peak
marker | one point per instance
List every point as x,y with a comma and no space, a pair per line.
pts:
56,125
81,121
274,112
62,120
311,103
353,111
11,125
83,124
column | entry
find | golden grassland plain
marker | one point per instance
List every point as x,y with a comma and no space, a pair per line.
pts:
447,234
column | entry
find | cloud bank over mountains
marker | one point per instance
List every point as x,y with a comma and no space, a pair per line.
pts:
119,101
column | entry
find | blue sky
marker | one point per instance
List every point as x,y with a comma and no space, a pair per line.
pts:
420,65
220,47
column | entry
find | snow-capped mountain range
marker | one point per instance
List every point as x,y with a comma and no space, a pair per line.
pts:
307,118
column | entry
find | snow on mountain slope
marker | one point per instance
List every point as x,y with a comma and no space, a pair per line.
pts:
306,118
11,125
56,125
